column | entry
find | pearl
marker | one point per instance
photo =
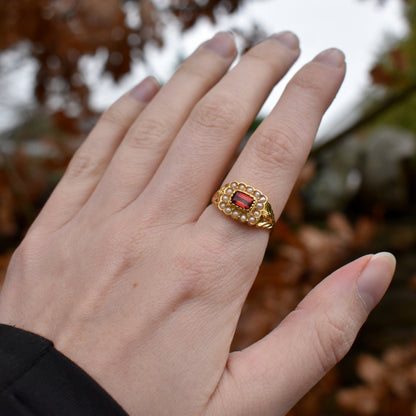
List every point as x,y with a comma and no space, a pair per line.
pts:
257,194
243,218
249,189
262,199
228,210
236,214
242,187
252,220
223,205
224,198
234,185
256,213
229,191
259,205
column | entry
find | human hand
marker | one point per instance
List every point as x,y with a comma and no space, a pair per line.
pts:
134,278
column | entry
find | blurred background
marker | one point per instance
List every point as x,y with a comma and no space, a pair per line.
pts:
62,62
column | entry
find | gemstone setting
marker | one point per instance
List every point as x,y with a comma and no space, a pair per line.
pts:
245,204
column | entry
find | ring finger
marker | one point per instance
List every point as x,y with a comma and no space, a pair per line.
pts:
215,127
273,157
279,147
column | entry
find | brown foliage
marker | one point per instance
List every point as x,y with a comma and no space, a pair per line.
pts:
389,384
390,74
28,176
60,32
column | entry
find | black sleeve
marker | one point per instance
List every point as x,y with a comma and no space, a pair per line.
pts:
37,380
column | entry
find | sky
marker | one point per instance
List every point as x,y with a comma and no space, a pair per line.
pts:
363,29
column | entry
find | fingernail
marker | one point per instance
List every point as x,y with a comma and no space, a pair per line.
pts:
146,90
331,57
375,279
288,39
222,44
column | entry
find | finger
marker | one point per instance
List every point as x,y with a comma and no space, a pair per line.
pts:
92,158
149,138
278,370
274,155
278,149
200,154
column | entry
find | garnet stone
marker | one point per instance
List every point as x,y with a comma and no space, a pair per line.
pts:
242,200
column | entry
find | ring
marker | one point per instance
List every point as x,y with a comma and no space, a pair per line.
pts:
245,204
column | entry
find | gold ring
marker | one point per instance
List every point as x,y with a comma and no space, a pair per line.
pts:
245,204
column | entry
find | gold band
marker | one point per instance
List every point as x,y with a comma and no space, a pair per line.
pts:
245,204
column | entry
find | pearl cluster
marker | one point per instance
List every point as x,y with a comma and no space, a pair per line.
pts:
252,215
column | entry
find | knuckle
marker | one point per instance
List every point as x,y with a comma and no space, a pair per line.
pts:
192,68
116,116
277,146
333,340
27,250
148,133
83,164
313,85
191,272
198,265
194,266
219,113
264,60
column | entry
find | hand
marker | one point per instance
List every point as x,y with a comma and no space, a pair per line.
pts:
137,280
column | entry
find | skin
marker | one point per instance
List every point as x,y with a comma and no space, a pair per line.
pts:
138,280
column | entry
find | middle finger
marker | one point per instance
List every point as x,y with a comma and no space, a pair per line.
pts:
215,127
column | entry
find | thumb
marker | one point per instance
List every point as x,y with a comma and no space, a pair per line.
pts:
270,376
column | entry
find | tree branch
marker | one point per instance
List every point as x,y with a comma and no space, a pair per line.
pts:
386,105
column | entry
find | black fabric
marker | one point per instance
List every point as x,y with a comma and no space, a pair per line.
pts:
37,380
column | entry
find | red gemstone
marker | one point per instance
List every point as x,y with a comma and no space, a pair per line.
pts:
242,200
